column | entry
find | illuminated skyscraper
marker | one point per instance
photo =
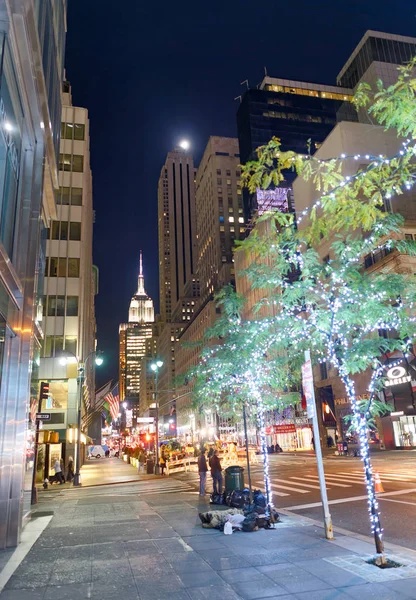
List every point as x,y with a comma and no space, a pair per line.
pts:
132,343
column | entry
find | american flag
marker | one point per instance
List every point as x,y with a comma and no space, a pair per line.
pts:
113,399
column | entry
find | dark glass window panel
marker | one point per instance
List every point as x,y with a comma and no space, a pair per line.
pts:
62,267
59,344
75,231
71,344
72,306
79,132
64,230
76,196
55,230
53,272
48,346
63,196
60,306
73,267
51,306
77,163
46,267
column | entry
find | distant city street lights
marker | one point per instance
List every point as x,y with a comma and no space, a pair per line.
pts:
65,359
155,367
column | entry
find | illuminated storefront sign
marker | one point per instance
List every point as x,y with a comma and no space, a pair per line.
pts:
397,376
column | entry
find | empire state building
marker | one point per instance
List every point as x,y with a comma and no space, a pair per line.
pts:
132,338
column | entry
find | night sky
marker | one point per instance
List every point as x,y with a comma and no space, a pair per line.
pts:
151,73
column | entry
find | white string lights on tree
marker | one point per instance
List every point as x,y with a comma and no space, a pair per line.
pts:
375,161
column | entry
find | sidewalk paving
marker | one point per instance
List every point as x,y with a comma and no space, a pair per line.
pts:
129,542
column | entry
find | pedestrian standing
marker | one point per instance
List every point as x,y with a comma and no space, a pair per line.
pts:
61,462
70,472
162,463
216,474
141,460
58,471
202,470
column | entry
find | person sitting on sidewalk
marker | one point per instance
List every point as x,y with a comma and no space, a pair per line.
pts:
202,470
215,464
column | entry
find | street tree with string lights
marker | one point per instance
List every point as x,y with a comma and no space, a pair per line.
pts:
337,308
239,371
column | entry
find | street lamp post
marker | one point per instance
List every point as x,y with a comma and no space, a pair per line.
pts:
80,385
155,367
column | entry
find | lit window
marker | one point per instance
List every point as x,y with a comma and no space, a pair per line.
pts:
231,228
231,219
241,219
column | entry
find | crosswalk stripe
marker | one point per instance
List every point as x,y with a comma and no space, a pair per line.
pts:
291,489
347,480
384,476
308,485
312,478
276,493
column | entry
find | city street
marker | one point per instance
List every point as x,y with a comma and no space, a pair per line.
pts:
295,486
143,540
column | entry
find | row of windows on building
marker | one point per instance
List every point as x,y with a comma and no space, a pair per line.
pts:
298,117
64,230
228,173
53,345
62,267
69,196
310,93
71,162
73,131
60,306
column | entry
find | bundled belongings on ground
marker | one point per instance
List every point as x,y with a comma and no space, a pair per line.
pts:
242,515
216,519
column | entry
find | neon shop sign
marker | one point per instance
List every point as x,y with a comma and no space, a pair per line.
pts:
396,376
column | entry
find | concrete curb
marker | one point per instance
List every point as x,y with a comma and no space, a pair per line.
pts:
356,536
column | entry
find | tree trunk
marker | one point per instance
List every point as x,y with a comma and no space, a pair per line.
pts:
361,427
263,442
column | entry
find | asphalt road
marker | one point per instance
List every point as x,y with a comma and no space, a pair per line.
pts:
295,486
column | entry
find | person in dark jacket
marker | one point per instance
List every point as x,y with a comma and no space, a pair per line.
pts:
70,472
216,475
202,470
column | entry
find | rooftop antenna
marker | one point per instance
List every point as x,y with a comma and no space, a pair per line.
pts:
141,265
265,72
245,82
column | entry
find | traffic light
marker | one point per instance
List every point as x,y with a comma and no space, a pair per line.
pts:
44,391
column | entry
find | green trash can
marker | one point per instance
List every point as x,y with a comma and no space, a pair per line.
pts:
234,478
150,466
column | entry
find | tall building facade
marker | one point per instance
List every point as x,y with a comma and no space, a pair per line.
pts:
32,53
220,221
69,291
177,229
299,113
179,286
133,345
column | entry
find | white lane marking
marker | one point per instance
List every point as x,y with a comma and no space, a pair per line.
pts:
385,477
292,489
358,480
395,475
314,487
352,499
258,485
313,478
399,501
